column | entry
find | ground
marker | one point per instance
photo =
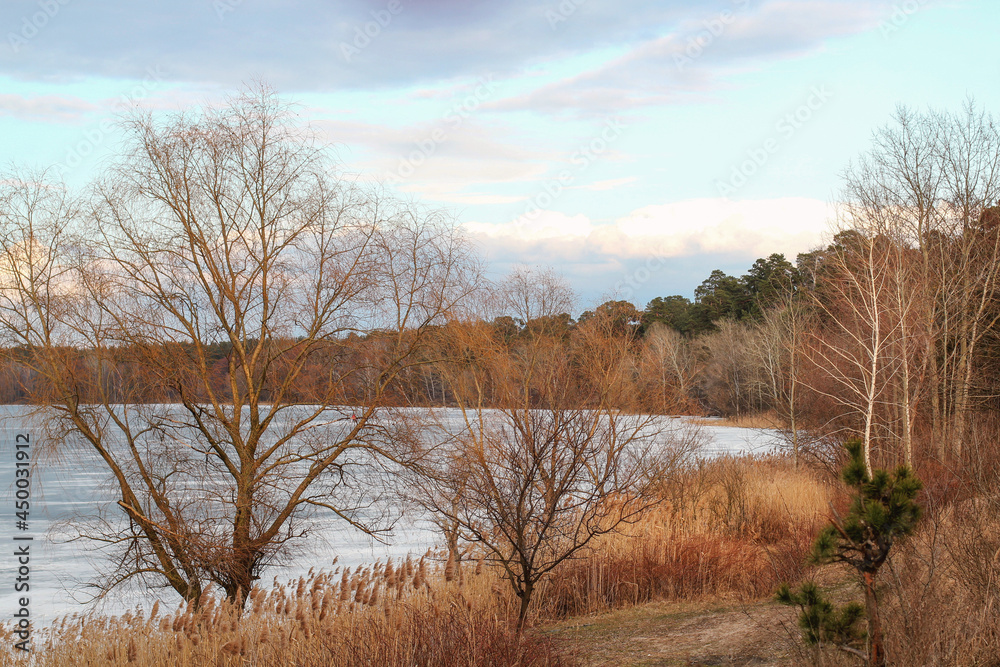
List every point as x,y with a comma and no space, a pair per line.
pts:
760,633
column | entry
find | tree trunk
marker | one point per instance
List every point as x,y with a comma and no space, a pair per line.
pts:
876,650
240,579
522,614
793,381
962,401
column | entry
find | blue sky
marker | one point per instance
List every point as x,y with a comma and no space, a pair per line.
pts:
632,146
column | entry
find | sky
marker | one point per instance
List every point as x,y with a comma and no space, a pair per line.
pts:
633,147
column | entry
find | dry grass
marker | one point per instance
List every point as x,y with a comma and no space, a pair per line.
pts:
725,529
382,615
938,596
942,590
939,591
762,420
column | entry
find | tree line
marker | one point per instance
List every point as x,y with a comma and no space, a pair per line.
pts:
228,324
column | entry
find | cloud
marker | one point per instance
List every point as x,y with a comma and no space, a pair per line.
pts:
310,44
46,108
749,229
450,162
693,58
603,186
546,226
655,250
453,194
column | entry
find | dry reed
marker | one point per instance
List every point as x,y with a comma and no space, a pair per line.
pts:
386,614
728,527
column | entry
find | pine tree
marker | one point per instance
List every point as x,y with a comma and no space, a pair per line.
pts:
882,511
822,622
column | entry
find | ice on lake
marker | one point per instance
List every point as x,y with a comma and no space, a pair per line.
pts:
61,489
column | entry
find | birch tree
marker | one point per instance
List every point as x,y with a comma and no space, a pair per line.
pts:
925,185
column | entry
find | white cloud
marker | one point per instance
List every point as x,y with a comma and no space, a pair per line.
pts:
439,160
452,194
48,108
694,58
751,228
545,226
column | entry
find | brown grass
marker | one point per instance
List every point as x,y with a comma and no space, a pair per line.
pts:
763,420
382,615
941,589
725,529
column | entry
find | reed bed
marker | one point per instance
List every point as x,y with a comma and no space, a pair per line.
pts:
386,614
940,590
723,528
726,528
758,420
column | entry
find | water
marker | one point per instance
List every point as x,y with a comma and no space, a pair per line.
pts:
63,487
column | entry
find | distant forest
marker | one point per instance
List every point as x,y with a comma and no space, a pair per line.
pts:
888,333
843,327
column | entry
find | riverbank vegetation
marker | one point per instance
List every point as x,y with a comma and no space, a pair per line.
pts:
724,535
201,316
722,529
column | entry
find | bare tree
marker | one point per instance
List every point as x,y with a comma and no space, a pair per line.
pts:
779,350
894,192
221,267
543,458
855,347
970,158
528,294
925,185
729,375
667,369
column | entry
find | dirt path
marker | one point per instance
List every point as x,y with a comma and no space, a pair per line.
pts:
684,633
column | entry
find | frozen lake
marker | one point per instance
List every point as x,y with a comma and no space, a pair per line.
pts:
62,488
